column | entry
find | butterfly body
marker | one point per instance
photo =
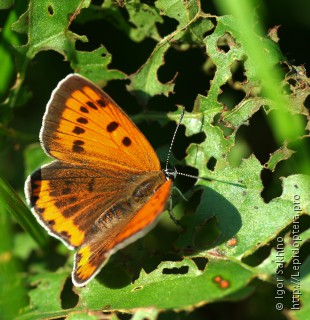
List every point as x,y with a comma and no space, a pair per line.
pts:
106,187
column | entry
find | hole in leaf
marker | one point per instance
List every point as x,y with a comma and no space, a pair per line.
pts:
50,10
151,263
100,31
259,136
225,42
197,138
148,2
307,102
186,183
230,97
114,276
181,270
177,62
211,163
200,262
209,32
210,67
257,257
272,185
99,2
69,299
238,71
292,82
168,26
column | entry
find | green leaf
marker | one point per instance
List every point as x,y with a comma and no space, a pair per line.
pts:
182,11
165,288
94,66
281,154
44,23
34,157
144,83
85,316
12,289
6,4
11,203
241,113
144,19
48,286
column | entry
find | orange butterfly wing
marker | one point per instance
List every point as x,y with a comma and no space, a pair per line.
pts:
68,199
106,188
91,257
83,125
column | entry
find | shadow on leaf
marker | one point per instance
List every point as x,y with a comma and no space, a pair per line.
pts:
215,221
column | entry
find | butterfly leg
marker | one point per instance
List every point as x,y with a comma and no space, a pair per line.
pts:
172,216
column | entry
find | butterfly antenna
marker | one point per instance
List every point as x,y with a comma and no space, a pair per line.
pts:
174,172
173,137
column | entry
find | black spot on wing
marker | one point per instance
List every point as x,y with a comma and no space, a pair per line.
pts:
91,105
66,191
101,103
78,257
71,200
112,126
82,120
78,130
84,110
58,204
39,210
77,146
33,200
54,193
64,235
126,142
50,222
34,186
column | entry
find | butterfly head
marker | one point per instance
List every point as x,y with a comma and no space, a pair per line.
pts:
170,173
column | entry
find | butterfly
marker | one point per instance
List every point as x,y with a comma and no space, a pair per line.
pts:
105,188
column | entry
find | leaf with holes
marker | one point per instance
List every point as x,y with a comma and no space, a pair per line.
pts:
176,285
94,65
144,83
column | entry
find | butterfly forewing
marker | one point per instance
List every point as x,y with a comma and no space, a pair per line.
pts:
84,125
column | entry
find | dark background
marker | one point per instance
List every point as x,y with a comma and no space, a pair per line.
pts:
48,68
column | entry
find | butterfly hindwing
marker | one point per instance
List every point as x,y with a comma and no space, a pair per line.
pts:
68,199
91,257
